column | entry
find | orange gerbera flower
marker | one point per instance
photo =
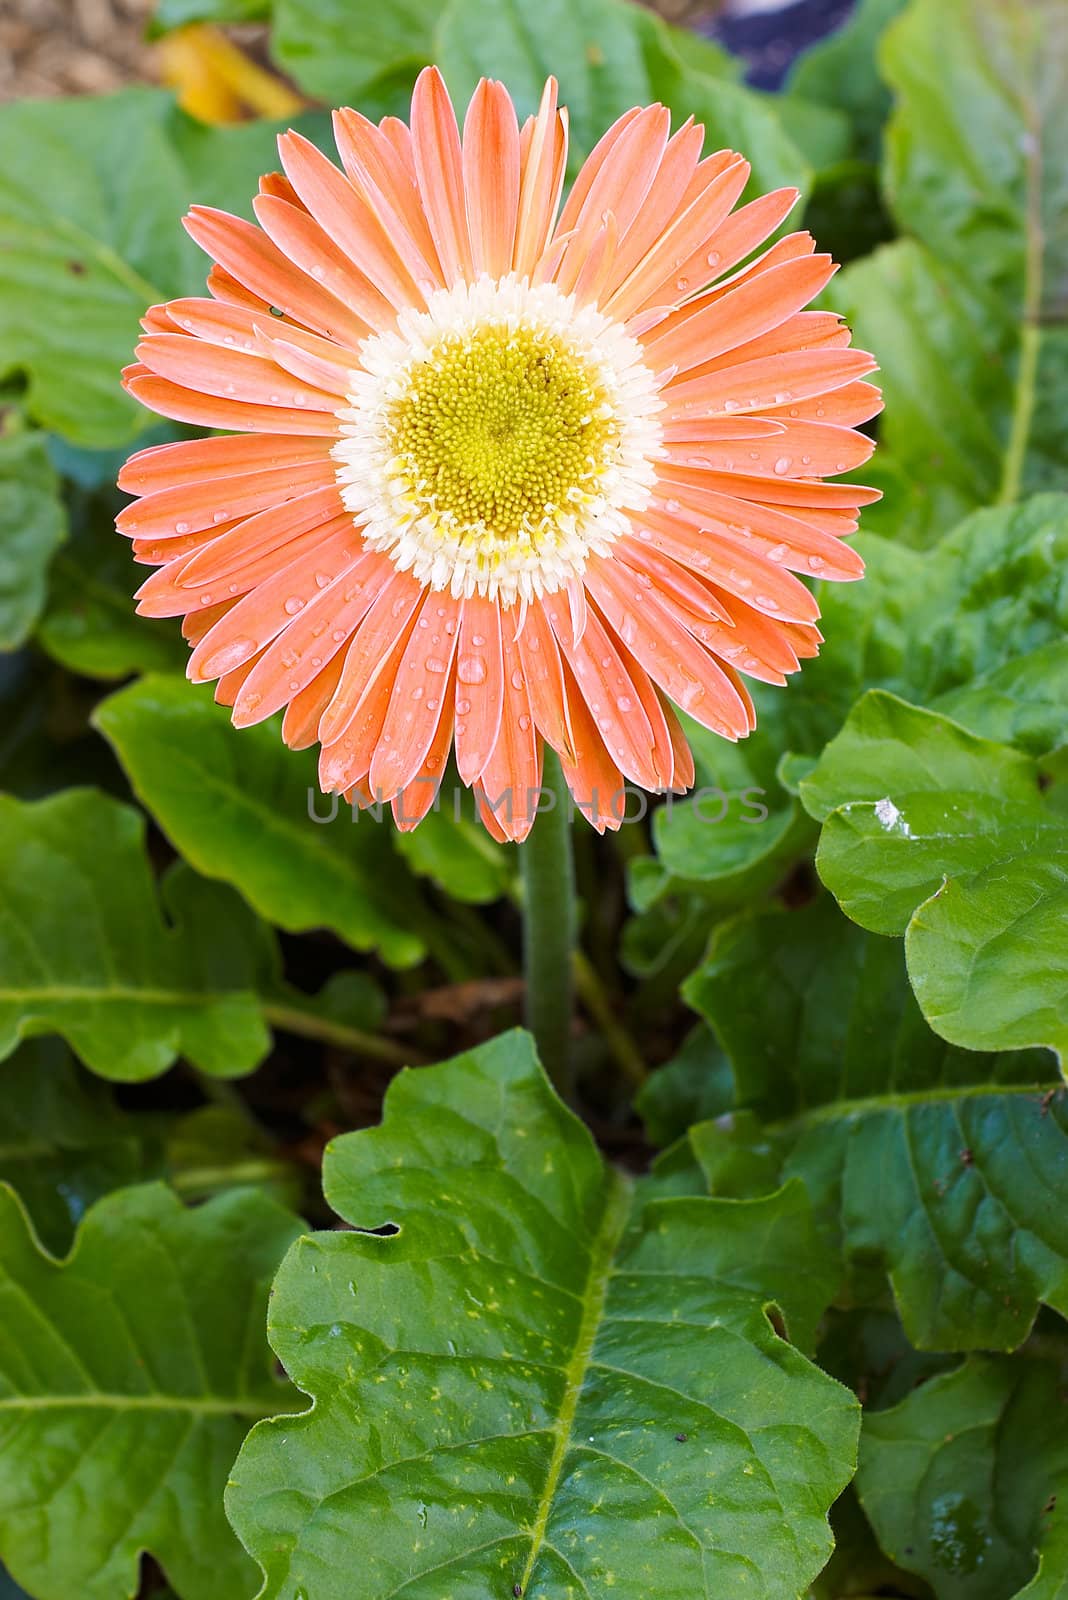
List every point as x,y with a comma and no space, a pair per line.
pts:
502,478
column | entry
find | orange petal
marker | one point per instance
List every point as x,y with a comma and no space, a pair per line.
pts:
304,242
439,164
604,683
346,218
209,411
385,625
383,180
659,273
165,466
543,159
491,177
300,725
539,656
191,507
511,778
312,640
415,706
257,263
753,308
479,685
758,385
269,608
654,634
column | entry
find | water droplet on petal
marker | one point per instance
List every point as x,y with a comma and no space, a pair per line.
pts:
462,707
782,465
471,669
293,605
228,656
322,580
435,664
624,703
524,722
816,563
181,527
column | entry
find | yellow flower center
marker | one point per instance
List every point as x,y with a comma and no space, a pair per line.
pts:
497,441
500,431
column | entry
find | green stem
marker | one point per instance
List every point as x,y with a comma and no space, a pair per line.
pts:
291,1019
597,1002
1023,409
201,1181
548,867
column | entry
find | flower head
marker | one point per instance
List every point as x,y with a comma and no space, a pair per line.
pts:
503,475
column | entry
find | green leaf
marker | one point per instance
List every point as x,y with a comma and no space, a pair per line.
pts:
942,1167
908,799
32,527
452,848
958,1478
63,1143
943,357
129,1374
843,1025
953,629
90,235
90,625
975,140
529,1377
841,71
241,807
338,56
926,812
695,1084
974,169
989,957
86,951
609,57
738,832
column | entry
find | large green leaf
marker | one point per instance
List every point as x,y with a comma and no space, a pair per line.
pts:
974,170
908,798
840,70
241,807
609,57
337,55
843,1025
90,235
976,139
63,1141
86,951
946,1168
918,810
961,1480
943,367
32,526
974,627
525,1379
989,957
129,1374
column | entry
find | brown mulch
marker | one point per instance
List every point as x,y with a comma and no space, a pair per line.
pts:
60,47
64,47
